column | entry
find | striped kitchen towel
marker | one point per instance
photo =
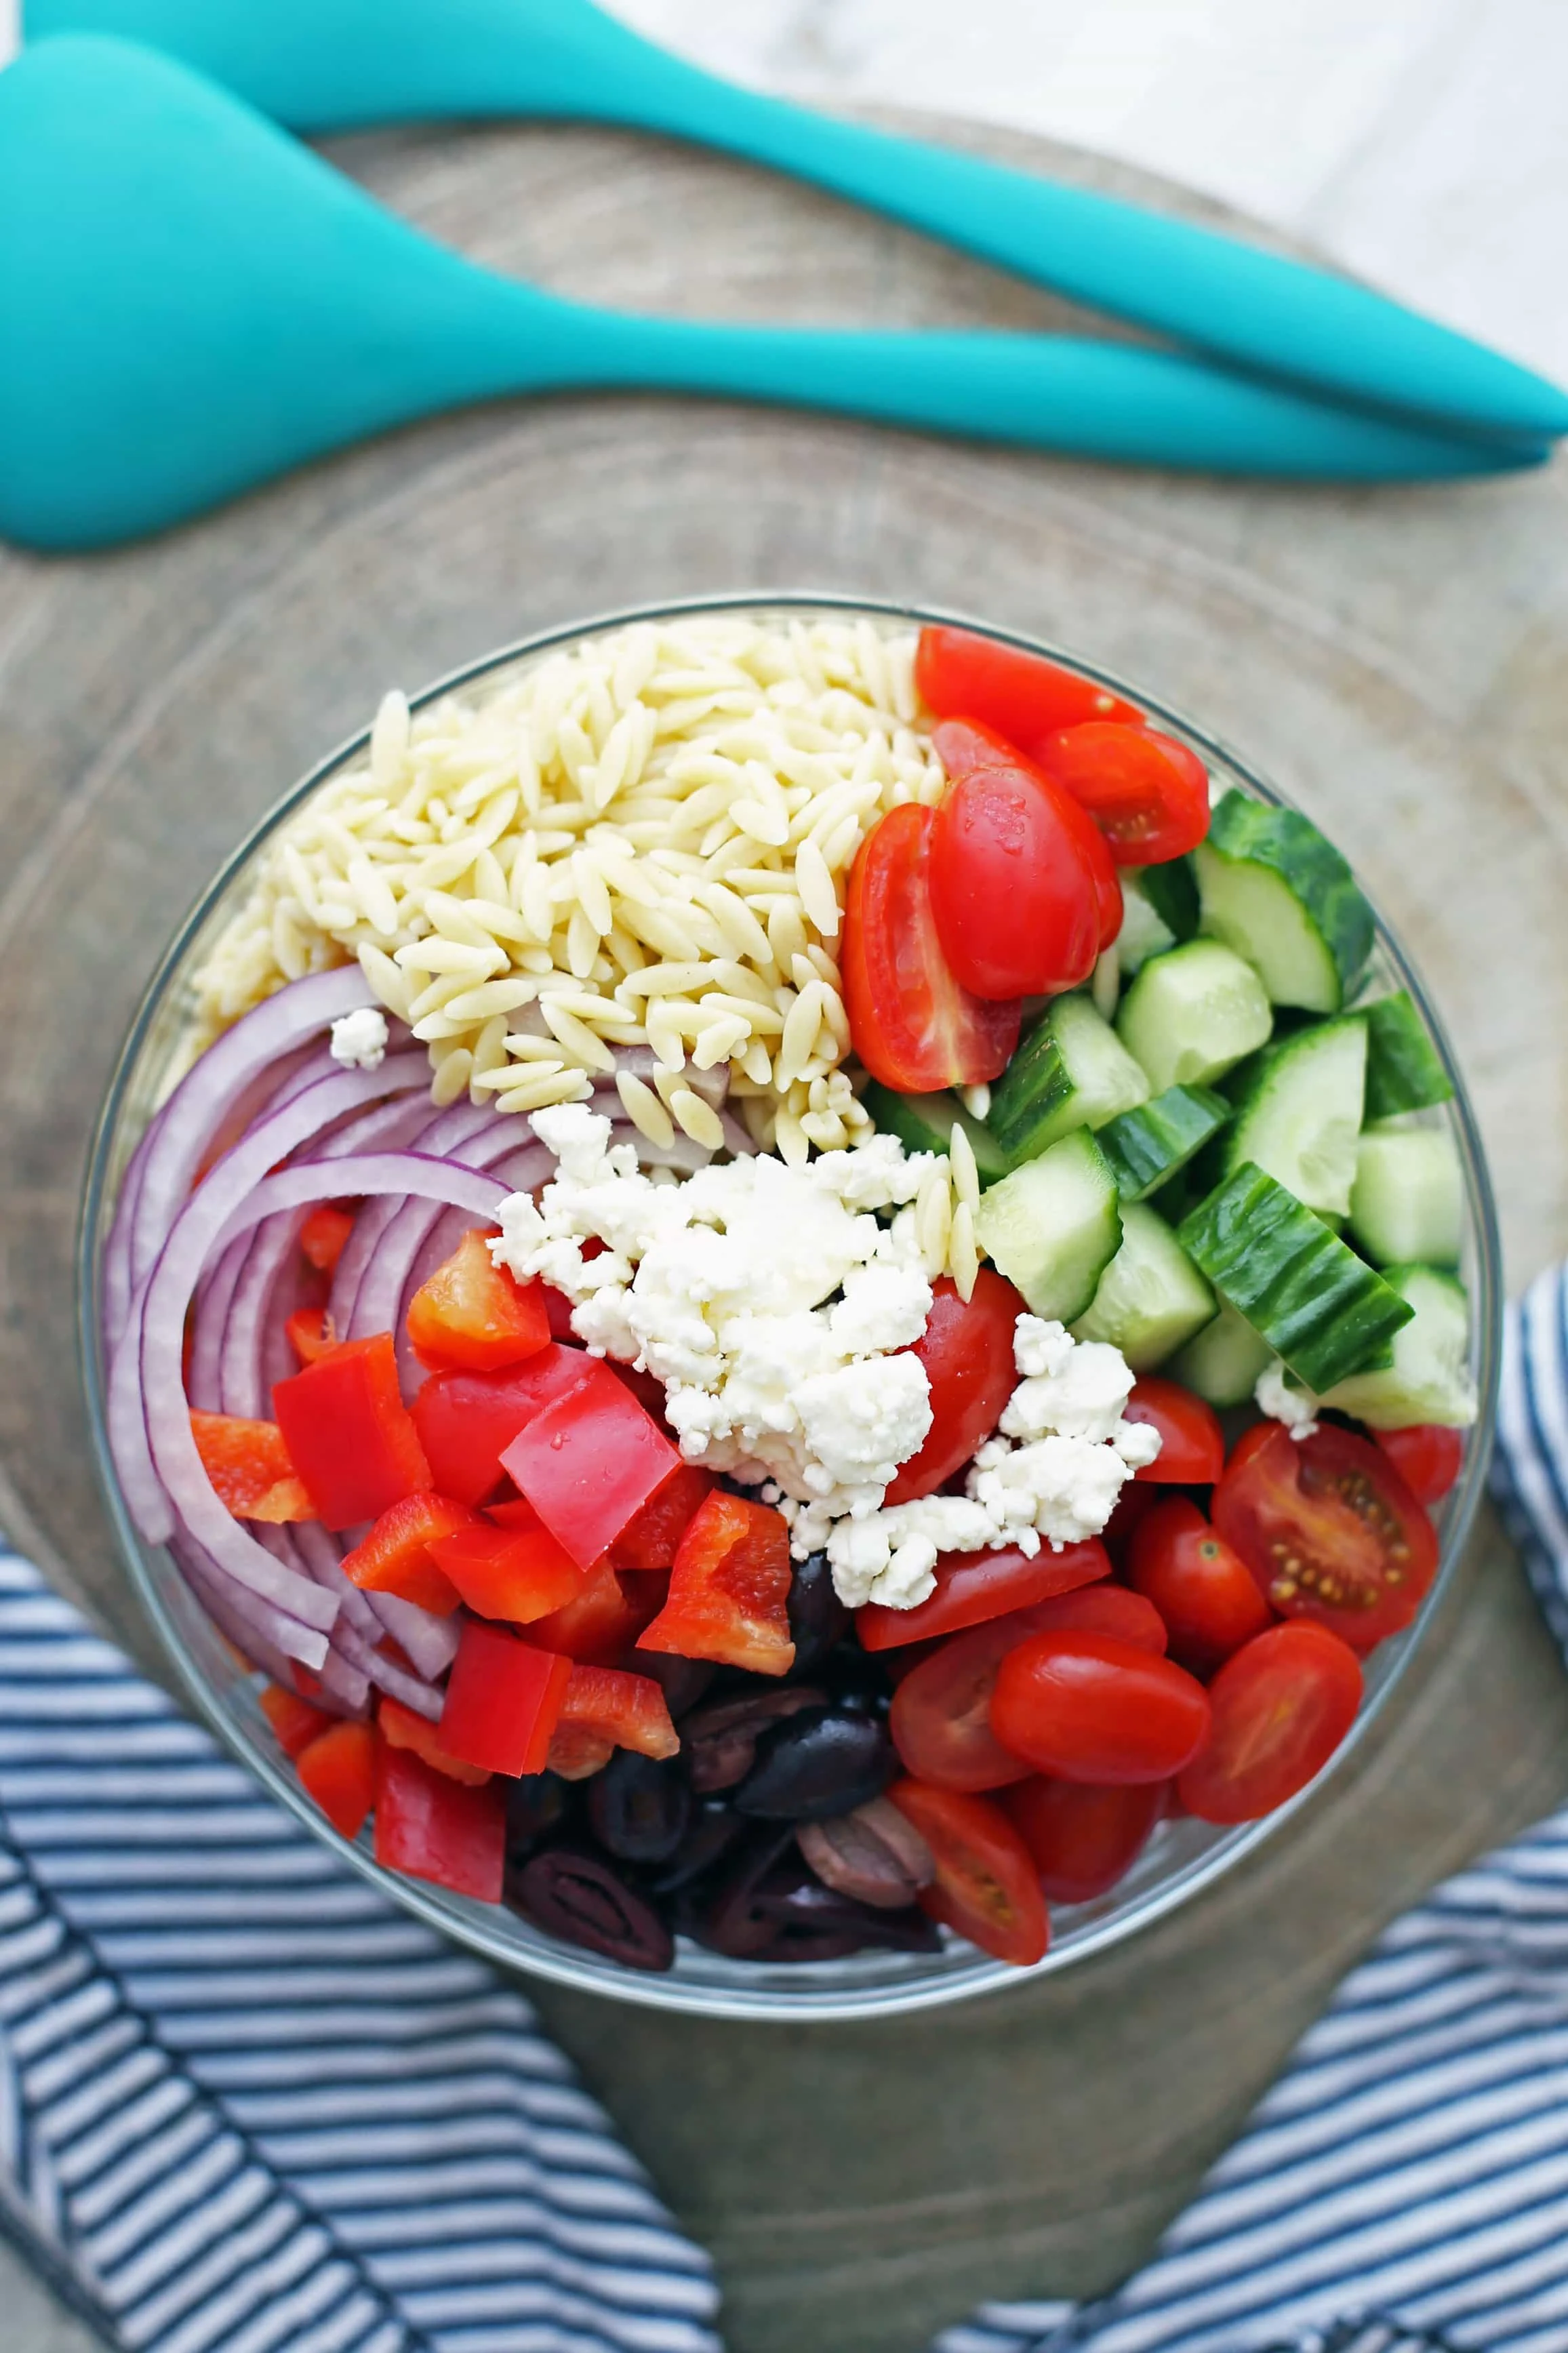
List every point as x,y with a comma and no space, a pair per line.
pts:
248,2107
1404,2188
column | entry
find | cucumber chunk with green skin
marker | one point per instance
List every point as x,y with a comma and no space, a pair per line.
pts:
1072,1071
1298,1108
1053,1226
1429,1379
1276,892
1403,1069
1151,1297
1193,1013
1408,1199
1147,1146
1222,1362
1172,890
1320,1308
1145,932
925,1124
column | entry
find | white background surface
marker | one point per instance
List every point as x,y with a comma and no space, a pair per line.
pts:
1425,142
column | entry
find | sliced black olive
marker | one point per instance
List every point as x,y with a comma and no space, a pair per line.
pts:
713,1828
719,1742
638,1807
535,1806
817,1619
683,1681
580,1899
803,1907
822,1762
731,1921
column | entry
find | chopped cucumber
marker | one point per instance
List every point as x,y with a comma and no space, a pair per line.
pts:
1151,1297
925,1124
1404,1072
1191,1014
1054,1225
1275,890
1318,1307
1429,1379
1408,1199
1299,1113
1149,1143
1222,1363
1145,932
1172,890
1072,1071
1105,983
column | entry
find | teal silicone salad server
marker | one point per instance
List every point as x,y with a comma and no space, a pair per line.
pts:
196,303
325,65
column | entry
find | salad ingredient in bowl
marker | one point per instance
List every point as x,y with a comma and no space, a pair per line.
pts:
681,1308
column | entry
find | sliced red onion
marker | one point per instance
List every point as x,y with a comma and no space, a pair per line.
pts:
384,1283
316,1552
445,1132
204,1380
430,1641
263,1631
390,1677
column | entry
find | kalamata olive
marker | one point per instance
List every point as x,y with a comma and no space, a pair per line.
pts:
711,1832
682,1680
535,1805
731,1921
817,1619
720,1743
580,1899
874,1854
638,1807
805,1909
822,1762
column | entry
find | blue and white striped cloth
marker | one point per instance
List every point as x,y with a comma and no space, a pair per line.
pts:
247,2107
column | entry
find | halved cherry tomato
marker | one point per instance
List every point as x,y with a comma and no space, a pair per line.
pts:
251,1469
1426,1456
471,1315
504,1698
1282,1707
295,1723
1148,794
940,1719
973,1586
912,1024
350,1433
1204,1592
1192,1444
1086,1707
466,1420
325,1234
589,1461
1013,884
1026,697
1133,1506
435,1828
728,1590
405,1729
1083,1839
1251,1441
986,1886
628,1711
1331,1531
518,1574
393,1556
339,1771
310,1332
653,1538
969,749
967,1351
1104,1608
601,1625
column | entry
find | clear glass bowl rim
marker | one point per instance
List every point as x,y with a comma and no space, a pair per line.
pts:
835,1990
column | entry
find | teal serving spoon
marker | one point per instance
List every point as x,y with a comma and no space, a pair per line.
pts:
329,65
195,304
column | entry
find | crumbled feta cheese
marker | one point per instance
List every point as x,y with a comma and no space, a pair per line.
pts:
358,1038
1284,1399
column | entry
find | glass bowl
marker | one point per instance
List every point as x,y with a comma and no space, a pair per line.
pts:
1183,1855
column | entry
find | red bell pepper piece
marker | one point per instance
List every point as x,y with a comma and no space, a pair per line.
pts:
728,1590
435,1828
325,1233
405,1729
577,1753
339,1771
653,1538
310,1332
503,1700
472,1316
396,1557
602,1624
295,1723
630,1711
250,1468
518,1574
350,1433
466,1420
589,1461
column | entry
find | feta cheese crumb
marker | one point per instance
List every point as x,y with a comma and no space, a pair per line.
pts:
1283,1400
358,1038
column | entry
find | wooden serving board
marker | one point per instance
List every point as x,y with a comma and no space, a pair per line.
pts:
1394,658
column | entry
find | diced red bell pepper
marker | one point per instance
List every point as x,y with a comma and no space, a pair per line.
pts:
577,1753
729,1591
434,1828
396,1557
250,1468
589,1462
600,1627
503,1701
466,1420
631,1711
339,1771
295,1723
325,1234
353,1439
472,1316
519,1574
405,1729
653,1538
310,1332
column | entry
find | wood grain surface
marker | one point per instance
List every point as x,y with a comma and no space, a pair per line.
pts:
1394,658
